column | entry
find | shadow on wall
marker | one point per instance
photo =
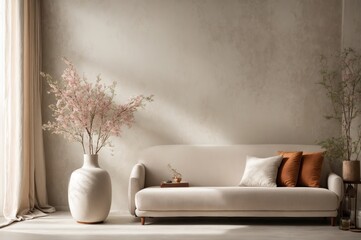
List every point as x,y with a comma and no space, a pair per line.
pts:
221,74
201,85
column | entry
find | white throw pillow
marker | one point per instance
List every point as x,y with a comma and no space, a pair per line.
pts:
261,172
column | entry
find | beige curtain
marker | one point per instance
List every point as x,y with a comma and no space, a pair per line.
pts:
23,153
2,93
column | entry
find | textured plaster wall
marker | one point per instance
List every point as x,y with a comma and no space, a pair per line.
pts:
351,26
222,72
351,37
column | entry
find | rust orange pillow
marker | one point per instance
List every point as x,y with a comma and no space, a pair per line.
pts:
289,169
310,170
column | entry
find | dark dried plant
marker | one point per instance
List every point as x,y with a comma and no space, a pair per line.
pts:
342,82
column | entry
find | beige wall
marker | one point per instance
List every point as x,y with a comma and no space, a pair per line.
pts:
351,37
351,26
222,72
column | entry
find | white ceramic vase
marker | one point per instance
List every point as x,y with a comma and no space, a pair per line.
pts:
90,192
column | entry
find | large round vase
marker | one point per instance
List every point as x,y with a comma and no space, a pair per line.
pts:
90,192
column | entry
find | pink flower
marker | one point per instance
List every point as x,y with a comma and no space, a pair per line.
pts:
87,113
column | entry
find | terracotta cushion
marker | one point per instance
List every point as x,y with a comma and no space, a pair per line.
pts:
289,169
310,170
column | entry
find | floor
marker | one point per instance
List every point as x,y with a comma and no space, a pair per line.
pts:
61,226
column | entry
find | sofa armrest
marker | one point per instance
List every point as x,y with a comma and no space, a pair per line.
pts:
136,183
335,184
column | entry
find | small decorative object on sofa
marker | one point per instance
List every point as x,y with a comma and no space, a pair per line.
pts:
167,184
344,92
215,172
177,177
87,113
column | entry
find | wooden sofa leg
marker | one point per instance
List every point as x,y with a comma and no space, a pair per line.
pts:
142,220
333,221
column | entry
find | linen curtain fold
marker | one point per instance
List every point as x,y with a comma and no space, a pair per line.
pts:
23,153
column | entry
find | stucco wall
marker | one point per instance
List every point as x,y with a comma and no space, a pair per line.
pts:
351,37
222,72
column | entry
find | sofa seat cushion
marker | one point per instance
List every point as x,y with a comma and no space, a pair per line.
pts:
236,199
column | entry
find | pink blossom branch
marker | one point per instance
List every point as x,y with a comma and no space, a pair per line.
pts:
86,112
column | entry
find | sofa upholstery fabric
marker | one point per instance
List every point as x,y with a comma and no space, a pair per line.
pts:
236,199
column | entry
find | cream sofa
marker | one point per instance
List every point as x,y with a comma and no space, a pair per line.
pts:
214,173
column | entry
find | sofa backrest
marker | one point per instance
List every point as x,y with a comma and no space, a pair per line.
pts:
204,165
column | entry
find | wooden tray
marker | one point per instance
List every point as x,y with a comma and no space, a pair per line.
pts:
174,184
